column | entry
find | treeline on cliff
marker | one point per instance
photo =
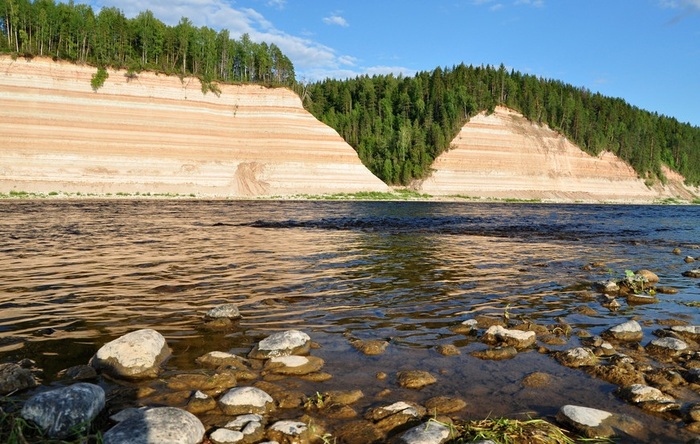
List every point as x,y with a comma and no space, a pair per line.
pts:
399,125
75,33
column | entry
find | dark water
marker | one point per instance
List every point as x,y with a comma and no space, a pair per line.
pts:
76,274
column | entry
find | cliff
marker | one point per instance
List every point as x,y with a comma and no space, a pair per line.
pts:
158,134
503,155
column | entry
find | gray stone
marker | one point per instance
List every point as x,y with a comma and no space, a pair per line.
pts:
607,287
638,393
397,415
415,379
294,365
216,359
431,432
226,436
65,411
287,431
136,355
687,331
290,342
242,400
586,421
514,338
226,311
692,273
15,378
648,276
157,426
627,331
667,348
577,357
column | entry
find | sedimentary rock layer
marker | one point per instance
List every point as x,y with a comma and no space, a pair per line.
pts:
503,155
153,133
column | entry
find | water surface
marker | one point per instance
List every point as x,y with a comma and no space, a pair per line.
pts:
76,274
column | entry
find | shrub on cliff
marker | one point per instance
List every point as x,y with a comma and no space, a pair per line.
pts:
99,78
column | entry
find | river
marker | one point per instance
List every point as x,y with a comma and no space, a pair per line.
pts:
75,274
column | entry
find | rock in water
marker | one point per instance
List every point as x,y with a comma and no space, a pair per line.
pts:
628,331
587,421
514,338
13,378
157,426
136,355
290,342
243,400
65,411
226,311
430,433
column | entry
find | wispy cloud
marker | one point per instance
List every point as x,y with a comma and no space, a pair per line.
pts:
533,3
687,8
494,5
336,20
279,4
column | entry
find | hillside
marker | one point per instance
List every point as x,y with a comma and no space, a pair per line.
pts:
157,134
503,155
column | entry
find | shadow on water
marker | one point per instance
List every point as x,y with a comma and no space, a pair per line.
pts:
78,274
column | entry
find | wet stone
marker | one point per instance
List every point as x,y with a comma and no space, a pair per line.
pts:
289,432
78,373
285,398
216,383
395,417
294,365
243,429
286,343
339,411
692,273
136,355
648,275
64,411
15,378
226,311
431,432
200,402
667,348
217,359
607,287
343,396
688,259
465,327
587,421
691,332
359,432
495,353
156,426
226,436
242,400
628,331
536,380
666,290
415,379
648,398
577,357
448,350
497,335
442,405
372,347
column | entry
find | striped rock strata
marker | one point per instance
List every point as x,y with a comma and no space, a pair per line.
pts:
503,155
157,134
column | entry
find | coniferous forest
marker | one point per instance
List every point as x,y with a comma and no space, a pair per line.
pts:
75,33
398,125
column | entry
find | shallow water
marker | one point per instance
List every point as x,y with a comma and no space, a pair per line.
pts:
76,274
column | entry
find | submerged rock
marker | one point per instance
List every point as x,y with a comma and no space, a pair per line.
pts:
216,359
294,365
157,426
692,273
577,357
441,405
495,353
136,355
65,411
290,342
226,311
15,378
360,432
372,347
448,350
415,379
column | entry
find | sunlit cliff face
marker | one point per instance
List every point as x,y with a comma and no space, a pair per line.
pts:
159,134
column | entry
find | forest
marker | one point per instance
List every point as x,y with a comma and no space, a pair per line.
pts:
75,33
399,125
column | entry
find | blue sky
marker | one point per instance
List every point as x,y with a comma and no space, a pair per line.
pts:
646,52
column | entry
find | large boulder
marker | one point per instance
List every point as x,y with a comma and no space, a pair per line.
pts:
290,342
65,411
157,426
136,355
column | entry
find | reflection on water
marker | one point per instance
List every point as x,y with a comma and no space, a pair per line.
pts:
75,274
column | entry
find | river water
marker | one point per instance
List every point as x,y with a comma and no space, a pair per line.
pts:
76,274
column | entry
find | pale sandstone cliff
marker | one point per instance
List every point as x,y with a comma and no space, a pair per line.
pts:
158,134
503,155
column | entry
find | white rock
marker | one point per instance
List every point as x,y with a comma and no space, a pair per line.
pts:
291,428
241,400
226,436
429,433
157,426
515,338
587,421
135,355
226,311
282,344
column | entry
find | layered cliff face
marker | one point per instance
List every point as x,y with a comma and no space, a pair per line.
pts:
157,134
503,155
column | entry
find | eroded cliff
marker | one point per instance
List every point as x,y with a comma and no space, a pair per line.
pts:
503,155
158,134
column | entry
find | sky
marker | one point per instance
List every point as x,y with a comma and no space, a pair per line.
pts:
646,52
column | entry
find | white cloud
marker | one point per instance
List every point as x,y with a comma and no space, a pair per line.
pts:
279,4
534,3
336,20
